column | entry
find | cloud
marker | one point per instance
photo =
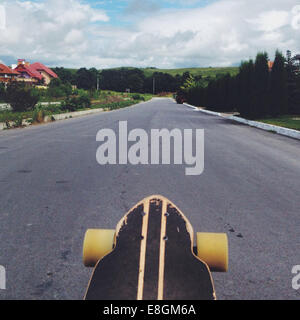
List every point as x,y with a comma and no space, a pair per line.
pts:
52,30
2,17
72,33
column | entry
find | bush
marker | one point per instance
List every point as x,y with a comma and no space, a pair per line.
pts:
20,97
18,122
38,115
75,103
137,97
84,101
70,104
59,89
2,91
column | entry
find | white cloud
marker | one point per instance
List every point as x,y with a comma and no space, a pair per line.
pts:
54,31
2,17
68,33
270,20
74,36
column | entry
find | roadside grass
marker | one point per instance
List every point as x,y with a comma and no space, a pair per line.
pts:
107,100
51,99
15,119
121,100
287,121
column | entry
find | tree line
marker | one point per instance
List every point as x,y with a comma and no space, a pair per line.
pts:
121,79
257,91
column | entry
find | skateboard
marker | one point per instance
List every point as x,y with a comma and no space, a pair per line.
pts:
151,256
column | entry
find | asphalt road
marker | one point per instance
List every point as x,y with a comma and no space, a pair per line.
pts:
52,189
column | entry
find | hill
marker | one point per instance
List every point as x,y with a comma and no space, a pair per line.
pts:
204,72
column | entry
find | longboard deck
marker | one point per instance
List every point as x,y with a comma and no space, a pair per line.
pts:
152,258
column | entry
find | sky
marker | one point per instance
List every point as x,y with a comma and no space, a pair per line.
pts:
146,33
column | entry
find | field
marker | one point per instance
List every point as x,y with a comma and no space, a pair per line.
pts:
204,72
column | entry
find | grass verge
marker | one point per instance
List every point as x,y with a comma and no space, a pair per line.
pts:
111,101
288,121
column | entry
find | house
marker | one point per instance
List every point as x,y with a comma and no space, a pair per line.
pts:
35,73
7,74
27,74
46,72
270,65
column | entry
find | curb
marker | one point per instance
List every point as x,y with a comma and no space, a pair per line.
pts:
63,116
260,125
60,116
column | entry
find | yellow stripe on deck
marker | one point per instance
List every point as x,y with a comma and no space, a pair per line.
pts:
162,250
143,251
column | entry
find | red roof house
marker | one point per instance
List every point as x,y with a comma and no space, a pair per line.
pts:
36,72
26,73
7,74
270,65
39,67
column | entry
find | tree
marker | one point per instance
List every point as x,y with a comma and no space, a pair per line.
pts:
245,88
59,89
135,83
55,82
65,75
2,91
260,103
185,76
192,90
278,87
20,97
86,79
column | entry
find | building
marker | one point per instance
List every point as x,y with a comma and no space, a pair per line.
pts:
35,73
270,65
7,74
46,72
28,74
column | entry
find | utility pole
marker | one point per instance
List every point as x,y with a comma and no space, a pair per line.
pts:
153,85
97,81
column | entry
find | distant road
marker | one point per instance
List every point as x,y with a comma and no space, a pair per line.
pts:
52,190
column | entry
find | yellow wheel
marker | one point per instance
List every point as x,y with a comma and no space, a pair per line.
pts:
212,248
97,243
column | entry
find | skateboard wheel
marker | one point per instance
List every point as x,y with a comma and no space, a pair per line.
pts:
212,248
97,243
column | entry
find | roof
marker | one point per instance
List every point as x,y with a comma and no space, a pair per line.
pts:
31,71
6,70
270,64
40,67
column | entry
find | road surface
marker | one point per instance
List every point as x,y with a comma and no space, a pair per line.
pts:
52,189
